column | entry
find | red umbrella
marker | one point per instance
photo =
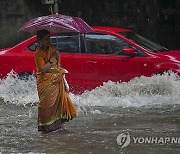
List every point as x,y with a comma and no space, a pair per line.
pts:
57,23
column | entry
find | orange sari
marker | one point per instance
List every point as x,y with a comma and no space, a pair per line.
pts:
55,106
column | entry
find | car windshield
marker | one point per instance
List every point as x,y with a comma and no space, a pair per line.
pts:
145,43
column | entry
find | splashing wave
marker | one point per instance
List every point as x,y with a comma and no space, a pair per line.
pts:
142,91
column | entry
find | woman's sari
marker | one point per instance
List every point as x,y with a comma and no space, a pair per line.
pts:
55,106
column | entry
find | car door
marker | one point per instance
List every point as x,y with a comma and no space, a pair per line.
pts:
71,48
105,64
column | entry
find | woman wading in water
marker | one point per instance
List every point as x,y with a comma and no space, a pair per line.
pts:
55,106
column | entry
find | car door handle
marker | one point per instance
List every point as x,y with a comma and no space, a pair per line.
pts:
91,62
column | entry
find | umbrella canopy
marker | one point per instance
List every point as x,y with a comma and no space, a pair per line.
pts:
57,23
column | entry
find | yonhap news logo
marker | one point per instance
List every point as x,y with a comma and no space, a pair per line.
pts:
124,139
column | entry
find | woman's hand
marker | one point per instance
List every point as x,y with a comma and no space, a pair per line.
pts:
60,76
54,57
61,71
48,65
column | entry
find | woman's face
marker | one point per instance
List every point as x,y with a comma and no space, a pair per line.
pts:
45,41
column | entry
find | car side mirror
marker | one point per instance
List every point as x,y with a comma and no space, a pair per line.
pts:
129,51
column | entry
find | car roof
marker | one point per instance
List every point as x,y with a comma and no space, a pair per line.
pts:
110,29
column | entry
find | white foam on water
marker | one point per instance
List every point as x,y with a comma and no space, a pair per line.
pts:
16,91
142,91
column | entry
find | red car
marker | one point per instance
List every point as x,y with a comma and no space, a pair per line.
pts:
108,53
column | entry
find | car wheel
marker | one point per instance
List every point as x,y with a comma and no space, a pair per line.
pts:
160,73
25,75
169,73
165,72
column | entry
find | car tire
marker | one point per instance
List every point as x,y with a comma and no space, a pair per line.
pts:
25,75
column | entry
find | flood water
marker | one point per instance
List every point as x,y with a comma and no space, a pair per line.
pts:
144,107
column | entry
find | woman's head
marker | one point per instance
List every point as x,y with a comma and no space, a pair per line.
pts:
44,37
42,33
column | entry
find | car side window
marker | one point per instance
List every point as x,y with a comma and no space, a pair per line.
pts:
100,43
34,46
66,42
